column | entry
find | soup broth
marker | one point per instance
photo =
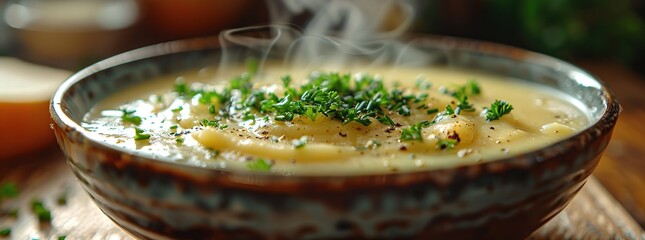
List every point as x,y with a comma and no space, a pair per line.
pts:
385,120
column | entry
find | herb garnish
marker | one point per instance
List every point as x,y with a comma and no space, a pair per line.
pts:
5,232
338,96
8,190
259,165
61,199
139,135
178,109
43,214
462,93
413,133
497,110
447,143
129,118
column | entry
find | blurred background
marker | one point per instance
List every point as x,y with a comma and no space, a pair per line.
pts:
75,33
606,37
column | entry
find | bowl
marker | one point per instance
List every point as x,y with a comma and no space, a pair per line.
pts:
508,198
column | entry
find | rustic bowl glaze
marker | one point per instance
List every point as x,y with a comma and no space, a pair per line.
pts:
504,199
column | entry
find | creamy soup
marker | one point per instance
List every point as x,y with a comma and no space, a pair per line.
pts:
336,122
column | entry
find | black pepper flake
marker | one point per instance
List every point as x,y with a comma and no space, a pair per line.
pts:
398,125
492,128
403,148
342,134
454,136
265,132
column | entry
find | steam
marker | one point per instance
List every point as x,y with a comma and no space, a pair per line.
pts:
338,32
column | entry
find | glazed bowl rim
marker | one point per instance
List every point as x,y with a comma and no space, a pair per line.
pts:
601,126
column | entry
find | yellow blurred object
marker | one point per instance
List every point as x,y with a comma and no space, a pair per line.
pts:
25,90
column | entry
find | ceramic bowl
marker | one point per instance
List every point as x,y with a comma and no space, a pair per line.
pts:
504,199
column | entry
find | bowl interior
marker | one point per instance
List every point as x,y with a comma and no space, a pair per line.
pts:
86,88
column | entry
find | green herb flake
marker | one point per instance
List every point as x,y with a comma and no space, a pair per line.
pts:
299,143
432,111
472,88
8,190
211,109
139,135
5,232
42,213
62,237
173,127
259,165
497,110
181,88
386,120
413,133
129,118
446,143
61,199
208,123
177,109
286,80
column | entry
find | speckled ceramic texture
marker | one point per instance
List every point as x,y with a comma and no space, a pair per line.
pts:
504,199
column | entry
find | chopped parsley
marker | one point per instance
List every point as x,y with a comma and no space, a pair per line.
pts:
432,111
259,165
8,190
359,99
447,143
5,232
139,135
129,118
61,199
62,237
497,110
208,123
178,109
42,213
413,133
471,88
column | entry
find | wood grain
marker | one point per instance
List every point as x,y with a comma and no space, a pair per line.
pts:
593,214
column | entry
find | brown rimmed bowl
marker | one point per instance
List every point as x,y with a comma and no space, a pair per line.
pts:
504,199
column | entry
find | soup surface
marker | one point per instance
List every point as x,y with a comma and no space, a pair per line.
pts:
335,122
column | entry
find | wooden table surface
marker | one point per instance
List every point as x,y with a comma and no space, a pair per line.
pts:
610,206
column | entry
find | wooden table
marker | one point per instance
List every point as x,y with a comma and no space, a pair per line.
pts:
593,214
